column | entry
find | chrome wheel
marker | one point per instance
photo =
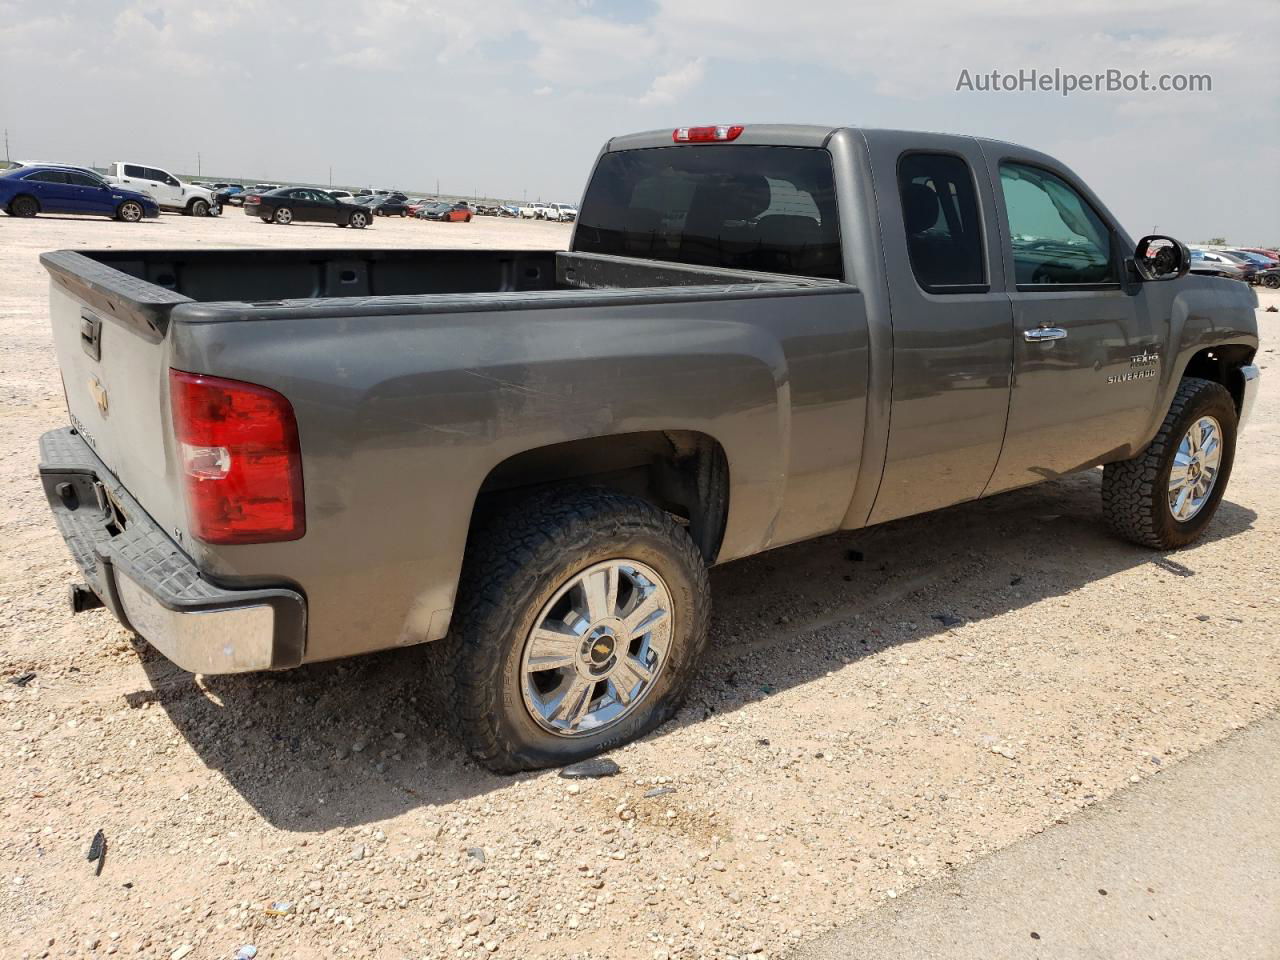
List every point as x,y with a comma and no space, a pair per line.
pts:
358,220
284,216
1195,469
130,212
597,648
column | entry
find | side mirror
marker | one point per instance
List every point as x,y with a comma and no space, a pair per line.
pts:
1159,257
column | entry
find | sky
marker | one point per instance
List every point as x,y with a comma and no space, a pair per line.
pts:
513,98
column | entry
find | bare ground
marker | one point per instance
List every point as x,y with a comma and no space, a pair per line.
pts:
841,746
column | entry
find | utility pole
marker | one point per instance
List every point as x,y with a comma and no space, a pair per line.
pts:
6,144
437,186
331,175
199,169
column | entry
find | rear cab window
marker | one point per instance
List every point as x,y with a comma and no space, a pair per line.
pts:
743,207
944,229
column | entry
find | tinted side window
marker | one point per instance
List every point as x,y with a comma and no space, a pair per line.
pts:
160,176
944,228
1056,236
83,180
134,171
744,207
47,176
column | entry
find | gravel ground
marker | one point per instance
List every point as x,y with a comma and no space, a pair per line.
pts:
842,744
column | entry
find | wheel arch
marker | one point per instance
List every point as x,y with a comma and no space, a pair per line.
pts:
1221,364
684,472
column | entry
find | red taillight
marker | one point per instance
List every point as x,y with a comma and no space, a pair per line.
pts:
238,452
705,134
253,198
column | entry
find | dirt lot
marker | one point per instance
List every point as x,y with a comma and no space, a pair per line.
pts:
842,745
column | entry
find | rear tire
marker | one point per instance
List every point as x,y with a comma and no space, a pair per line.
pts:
1139,496
24,206
519,562
284,216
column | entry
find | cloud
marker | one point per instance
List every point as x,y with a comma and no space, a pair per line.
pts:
367,85
671,86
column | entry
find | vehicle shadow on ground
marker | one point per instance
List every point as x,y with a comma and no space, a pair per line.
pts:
347,743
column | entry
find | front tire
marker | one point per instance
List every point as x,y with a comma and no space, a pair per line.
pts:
284,216
359,221
1272,283
1166,495
582,615
130,211
198,208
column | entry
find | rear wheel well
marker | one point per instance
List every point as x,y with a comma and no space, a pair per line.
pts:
683,472
1222,365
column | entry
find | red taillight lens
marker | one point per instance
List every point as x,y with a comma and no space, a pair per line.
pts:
238,452
705,134
253,198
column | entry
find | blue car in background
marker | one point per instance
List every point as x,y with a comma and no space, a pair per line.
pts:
54,188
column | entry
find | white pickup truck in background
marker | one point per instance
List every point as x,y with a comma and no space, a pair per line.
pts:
168,191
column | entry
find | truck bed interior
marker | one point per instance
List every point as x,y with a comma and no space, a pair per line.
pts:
255,276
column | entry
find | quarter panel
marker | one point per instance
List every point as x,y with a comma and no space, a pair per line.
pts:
402,416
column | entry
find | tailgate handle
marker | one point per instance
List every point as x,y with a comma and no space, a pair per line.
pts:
91,335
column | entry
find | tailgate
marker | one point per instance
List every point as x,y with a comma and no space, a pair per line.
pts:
109,333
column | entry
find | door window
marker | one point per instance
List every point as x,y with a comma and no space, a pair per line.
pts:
1057,237
944,227
83,180
130,170
47,176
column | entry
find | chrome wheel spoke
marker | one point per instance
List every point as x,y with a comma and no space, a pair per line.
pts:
630,672
573,704
550,649
601,589
641,620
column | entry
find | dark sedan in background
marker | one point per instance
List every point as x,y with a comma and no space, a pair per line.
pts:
304,205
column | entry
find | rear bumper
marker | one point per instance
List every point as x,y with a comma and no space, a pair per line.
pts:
151,586
1252,381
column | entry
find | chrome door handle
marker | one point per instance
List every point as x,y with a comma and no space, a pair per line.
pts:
1038,334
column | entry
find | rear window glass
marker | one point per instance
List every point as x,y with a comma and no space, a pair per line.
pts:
744,207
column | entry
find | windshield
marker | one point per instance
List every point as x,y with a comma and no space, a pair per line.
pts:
744,207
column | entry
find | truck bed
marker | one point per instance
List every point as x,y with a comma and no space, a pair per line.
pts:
145,285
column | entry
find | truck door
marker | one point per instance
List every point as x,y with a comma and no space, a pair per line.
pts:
952,351
167,188
1086,352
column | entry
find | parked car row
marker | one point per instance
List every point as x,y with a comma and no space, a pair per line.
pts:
132,191
563,212
1251,264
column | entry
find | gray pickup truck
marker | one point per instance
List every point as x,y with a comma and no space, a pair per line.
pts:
759,335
